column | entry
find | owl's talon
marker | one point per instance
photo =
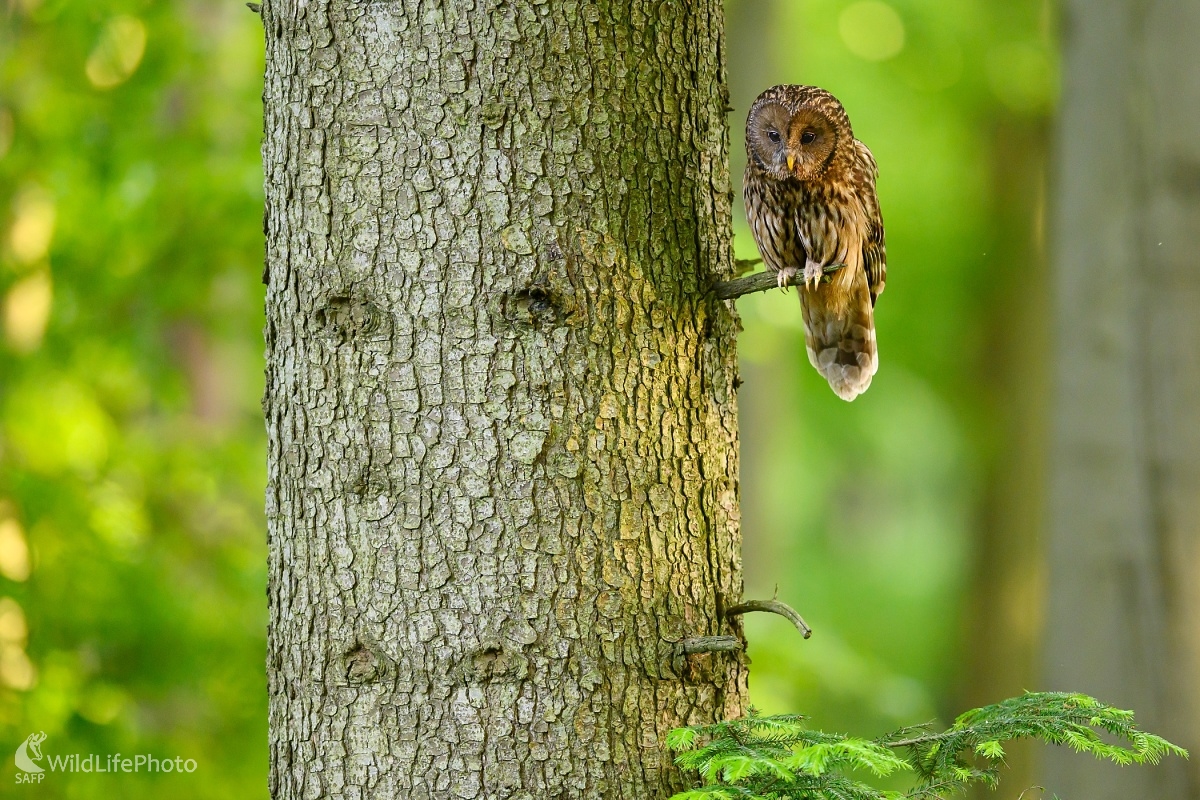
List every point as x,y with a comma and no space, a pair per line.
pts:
783,278
812,275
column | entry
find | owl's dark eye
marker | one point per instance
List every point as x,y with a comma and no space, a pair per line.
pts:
808,137
774,136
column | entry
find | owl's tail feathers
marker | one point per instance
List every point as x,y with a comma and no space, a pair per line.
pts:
839,334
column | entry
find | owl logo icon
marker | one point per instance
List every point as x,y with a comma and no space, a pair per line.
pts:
30,752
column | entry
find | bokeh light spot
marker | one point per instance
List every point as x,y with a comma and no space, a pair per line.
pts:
33,225
57,424
118,52
13,629
27,310
872,30
14,551
16,670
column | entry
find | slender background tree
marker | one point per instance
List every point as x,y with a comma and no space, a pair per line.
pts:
500,400
1124,551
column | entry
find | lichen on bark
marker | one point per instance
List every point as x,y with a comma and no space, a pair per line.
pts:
500,401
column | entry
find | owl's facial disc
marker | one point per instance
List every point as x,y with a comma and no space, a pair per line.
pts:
811,140
786,145
767,138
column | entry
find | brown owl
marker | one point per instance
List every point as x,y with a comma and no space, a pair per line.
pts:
810,196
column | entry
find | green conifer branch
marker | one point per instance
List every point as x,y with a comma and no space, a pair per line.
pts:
770,758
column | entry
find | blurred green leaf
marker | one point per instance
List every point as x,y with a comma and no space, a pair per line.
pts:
131,444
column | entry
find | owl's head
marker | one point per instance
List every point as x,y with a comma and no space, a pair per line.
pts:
797,132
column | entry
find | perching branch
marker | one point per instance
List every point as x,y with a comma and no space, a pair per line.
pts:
773,607
758,282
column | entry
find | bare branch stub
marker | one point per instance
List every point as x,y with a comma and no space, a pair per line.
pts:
710,644
758,282
702,644
772,607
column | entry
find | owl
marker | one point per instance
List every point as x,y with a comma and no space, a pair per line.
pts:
810,198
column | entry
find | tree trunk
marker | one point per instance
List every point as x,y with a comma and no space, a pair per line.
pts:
1007,593
500,405
1125,497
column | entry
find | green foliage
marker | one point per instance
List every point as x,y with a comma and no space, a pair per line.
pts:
776,757
132,553
1074,720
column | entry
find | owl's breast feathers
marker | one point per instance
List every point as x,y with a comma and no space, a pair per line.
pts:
835,220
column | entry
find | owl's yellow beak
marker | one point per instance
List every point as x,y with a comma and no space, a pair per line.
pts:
791,162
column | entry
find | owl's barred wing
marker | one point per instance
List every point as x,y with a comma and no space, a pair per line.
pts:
874,250
875,257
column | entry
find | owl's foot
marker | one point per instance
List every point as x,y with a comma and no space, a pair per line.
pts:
813,272
783,277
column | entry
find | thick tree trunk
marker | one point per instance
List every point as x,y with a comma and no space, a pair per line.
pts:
1125,504
503,466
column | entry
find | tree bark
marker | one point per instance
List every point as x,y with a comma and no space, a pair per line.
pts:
1124,550
500,401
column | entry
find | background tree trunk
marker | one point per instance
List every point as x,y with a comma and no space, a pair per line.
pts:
501,409
1007,594
1125,506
